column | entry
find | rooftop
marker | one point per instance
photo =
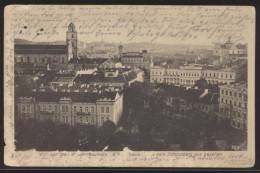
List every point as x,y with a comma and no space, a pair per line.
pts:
40,49
75,97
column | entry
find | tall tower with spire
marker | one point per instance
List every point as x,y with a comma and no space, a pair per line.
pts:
72,41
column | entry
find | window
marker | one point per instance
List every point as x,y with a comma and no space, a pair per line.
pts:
80,109
67,109
240,95
80,118
221,100
230,93
239,104
63,119
67,119
75,119
246,105
28,108
74,108
72,36
226,92
92,120
231,76
56,108
86,109
107,110
23,107
107,118
50,108
222,91
44,108
235,104
102,109
230,102
235,94
87,119
92,109
63,109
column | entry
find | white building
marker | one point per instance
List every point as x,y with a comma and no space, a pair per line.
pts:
188,75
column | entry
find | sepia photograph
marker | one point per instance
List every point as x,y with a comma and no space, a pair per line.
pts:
141,79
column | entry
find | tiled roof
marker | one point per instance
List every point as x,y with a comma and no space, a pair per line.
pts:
75,97
84,78
130,76
191,94
40,49
100,78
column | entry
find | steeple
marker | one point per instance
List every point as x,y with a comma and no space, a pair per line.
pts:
72,41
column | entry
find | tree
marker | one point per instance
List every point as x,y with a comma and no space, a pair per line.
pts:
201,83
106,132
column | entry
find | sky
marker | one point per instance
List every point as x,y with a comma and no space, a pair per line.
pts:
130,24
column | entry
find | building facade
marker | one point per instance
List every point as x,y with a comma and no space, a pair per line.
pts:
233,104
135,59
188,75
83,108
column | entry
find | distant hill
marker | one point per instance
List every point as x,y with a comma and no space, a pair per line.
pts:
152,47
23,41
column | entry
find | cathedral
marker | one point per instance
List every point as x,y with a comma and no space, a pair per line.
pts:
49,53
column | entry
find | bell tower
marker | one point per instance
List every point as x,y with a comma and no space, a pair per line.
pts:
72,41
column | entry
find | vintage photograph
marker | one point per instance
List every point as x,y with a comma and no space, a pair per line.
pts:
135,78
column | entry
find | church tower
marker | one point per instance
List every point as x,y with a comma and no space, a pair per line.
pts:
72,41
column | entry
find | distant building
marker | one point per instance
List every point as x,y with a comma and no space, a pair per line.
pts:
135,59
67,108
188,75
233,104
230,49
47,53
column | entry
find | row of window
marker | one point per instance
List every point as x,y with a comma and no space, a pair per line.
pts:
133,60
27,108
233,52
39,60
233,94
233,103
196,74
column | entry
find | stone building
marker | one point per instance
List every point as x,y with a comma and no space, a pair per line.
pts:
233,104
135,59
71,108
48,53
188,75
